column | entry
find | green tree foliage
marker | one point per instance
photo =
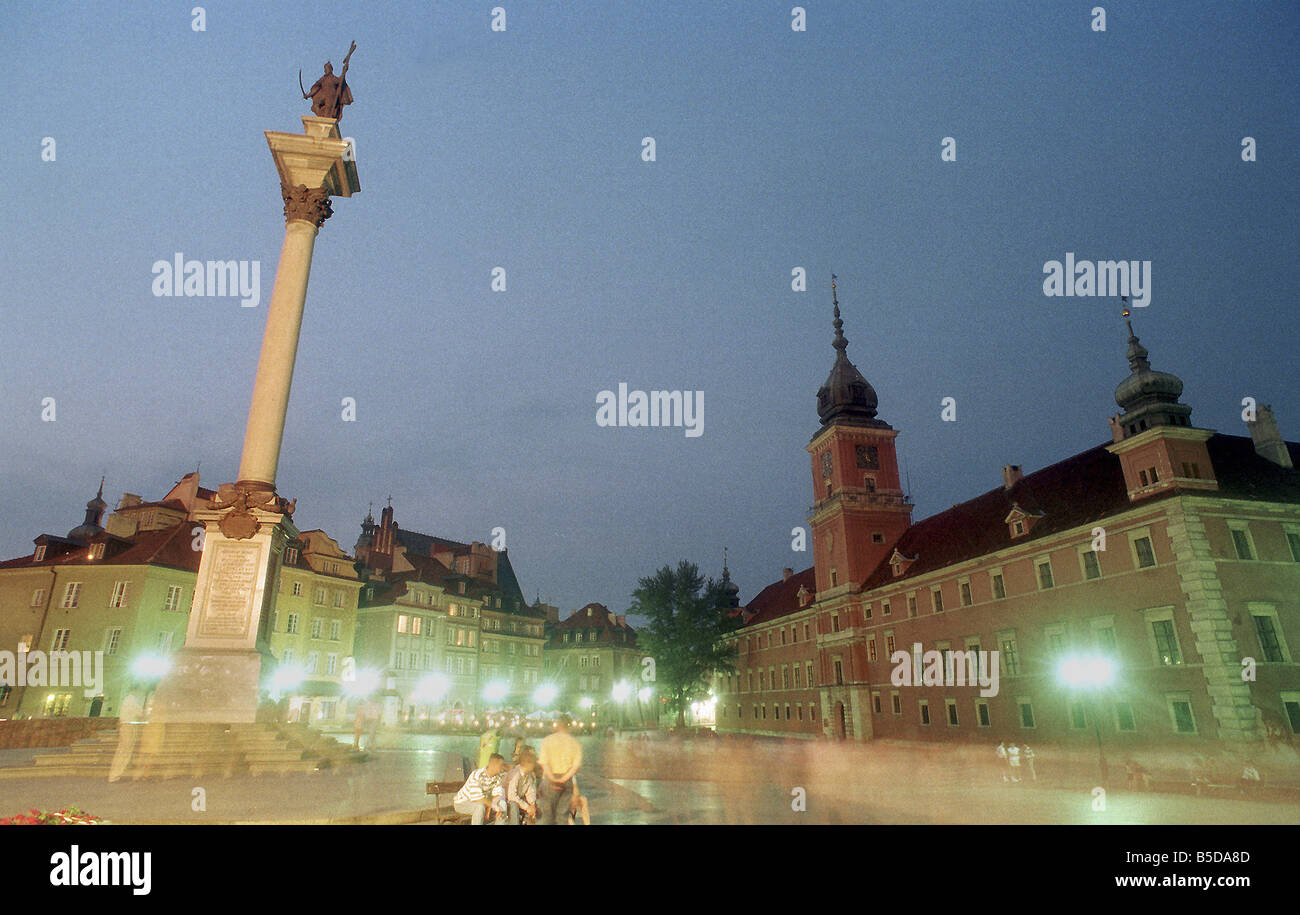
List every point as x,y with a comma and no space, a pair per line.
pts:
686,634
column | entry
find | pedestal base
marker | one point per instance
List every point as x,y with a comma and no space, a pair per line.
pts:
209,686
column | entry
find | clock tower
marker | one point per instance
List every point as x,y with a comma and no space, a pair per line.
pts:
859,510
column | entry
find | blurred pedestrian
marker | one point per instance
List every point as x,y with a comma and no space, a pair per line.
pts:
1013,759
1027,754
560,757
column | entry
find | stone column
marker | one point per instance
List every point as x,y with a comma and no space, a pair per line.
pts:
218,676
305,210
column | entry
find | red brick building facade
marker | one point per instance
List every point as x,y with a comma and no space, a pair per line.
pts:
1170,553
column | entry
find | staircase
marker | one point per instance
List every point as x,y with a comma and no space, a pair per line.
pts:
193,750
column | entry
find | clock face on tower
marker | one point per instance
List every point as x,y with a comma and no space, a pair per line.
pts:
869,457
826,463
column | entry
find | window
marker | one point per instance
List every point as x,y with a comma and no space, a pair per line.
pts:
1143,554
402,622
785,676
924,706
118,598
896,701
173,601
964,588
1103,633
876,707
1272,644
39,554
982,713
999,586
1019,527
320,597
1164,637
1091,565
885,609
1055,636
871,649
835,622
839,672
1291,708
1124,720
951,705
291,556
71,594
97,551
38,597
417,622
1026,713
297,589
292,627
61,637
808,674
332,663
936,599
1078,716
1293,541
1008,657
1044,574
111,639
338,599
336,628
834,578
313,661
1241,540
889,644
1180,712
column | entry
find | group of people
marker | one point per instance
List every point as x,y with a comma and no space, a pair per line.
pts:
1016,759
540,786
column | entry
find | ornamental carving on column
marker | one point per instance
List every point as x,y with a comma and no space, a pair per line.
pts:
239,501
310,204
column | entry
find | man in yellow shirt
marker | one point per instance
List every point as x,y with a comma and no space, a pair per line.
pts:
560,757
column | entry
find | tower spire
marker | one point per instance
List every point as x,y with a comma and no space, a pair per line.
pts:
840,343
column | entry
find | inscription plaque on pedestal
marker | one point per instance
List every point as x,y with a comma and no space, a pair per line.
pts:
227,608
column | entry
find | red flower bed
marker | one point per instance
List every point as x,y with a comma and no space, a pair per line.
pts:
68,816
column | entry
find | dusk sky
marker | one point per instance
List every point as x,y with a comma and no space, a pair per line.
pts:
522,149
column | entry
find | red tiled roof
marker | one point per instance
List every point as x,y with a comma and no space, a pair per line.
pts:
780,598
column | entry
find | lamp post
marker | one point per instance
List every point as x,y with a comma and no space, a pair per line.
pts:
621,692
1090,674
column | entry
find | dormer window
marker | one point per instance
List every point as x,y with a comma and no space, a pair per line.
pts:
291,556
803,596
899,563
97,551
40,553
1019,521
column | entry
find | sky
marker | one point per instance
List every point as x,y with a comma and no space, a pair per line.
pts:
774,149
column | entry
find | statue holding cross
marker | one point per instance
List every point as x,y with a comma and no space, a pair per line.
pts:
330,93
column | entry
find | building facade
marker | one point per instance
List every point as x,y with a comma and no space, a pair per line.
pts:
587,654
443,624
1168,557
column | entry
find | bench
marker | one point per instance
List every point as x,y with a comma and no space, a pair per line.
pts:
441,816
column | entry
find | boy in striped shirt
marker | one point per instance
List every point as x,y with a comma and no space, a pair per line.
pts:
475,796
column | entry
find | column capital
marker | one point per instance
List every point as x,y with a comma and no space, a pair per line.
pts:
308,204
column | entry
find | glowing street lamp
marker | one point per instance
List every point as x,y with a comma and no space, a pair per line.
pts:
544,695
586,702
432,688
363,684
1089,674
151,667
495,691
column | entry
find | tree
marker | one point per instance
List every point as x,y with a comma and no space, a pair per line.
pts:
686,635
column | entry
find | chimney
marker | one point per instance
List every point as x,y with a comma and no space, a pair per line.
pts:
1267,438
1011,475
129,499
786,574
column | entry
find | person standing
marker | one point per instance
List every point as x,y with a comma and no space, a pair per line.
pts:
561,757
1027,754
475,796
130,718
372,724
1001,752
1013,758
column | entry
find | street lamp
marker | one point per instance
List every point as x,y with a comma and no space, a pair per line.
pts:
643,696
1090,673
621,691
544,695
